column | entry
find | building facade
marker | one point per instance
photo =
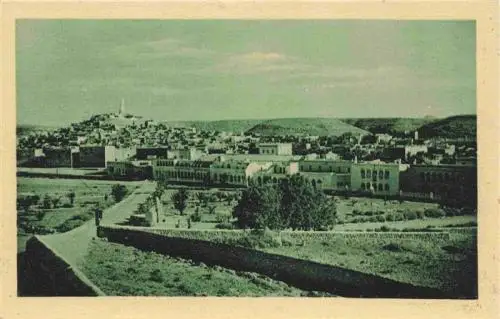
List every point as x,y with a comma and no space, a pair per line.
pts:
375,178
275,148
144,153
136,170
99,156
445,181
331,175
182,171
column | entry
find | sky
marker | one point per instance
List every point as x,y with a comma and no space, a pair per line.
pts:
177,70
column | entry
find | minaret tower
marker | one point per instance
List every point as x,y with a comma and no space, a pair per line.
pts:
121,112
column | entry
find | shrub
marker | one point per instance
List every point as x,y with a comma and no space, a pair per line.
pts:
356,212
390,217
420,214
40,215
369,213
434,213
398,217
410,215
118,191
258,238
196,217
380,218
225,225
384,228
395,247
372,219
222,217
156,275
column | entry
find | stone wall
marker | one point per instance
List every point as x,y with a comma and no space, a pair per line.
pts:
51,275
303,274
222,235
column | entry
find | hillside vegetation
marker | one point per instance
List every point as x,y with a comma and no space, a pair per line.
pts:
393,126
305,126
221,126
451,127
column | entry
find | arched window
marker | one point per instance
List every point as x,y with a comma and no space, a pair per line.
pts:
380,174
386,187
380,187
362,174
368,173
363,186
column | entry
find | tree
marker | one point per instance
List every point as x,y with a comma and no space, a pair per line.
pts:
47,202
71,195
180,200
118,191
55,201
202,198
294,204
258,207
211,209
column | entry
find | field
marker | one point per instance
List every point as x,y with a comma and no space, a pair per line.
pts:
62,215
354,214
449,265
126,271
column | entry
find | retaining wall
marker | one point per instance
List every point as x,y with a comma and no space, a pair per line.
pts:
222,235
51,275
303,274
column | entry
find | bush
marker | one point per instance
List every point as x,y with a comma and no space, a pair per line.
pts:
398,217
390,217
259,239
356,212
384,228
410,215
395,247
222,217
434,213
372,219
225,225
196,217
380,218
420,214
156,275
118,191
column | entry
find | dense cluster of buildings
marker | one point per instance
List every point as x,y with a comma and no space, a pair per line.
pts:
377,164
333,175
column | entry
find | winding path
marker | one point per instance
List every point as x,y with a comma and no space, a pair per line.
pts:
74,245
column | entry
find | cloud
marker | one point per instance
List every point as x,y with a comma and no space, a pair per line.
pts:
257,63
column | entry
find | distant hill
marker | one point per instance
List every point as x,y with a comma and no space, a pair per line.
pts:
303,126
221,126
450,127
394,126
23,129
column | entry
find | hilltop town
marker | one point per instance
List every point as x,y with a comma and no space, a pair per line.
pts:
354,160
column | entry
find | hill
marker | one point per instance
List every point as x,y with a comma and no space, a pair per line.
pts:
451,127
24,129
236,126
393,126
305,126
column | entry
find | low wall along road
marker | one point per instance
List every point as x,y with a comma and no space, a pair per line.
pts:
303,274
